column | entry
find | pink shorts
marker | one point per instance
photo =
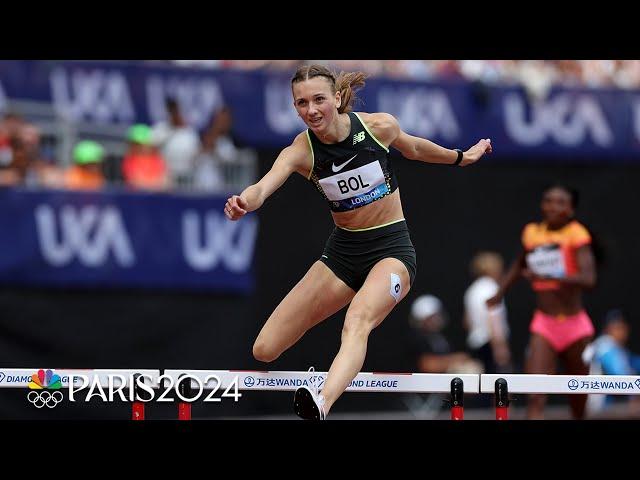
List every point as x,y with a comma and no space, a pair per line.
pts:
561,331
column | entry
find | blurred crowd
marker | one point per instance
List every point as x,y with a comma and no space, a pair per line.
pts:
170,155
537,75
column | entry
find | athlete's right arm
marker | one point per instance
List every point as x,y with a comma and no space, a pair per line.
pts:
294,158
510,278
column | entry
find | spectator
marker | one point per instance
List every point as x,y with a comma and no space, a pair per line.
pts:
14,168
433,352
143,167
487,328
218,148
608,355
21,161
86,171
179,144
41,171
5,146
14,158
536,76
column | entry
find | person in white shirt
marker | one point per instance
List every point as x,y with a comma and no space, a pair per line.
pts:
179,144
487,328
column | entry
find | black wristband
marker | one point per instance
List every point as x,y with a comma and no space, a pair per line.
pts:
459,159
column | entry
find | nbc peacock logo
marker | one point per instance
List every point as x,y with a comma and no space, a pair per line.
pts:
40,385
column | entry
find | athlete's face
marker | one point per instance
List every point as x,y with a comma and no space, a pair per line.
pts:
556,206
315,102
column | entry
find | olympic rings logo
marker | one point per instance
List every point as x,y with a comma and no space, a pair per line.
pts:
40,399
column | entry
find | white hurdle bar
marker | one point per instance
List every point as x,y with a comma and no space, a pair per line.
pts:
364,382
502,385
455,385
569,384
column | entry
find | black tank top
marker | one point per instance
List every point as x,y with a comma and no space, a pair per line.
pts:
352,173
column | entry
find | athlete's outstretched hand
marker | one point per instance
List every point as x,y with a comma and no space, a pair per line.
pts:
476,152
235,208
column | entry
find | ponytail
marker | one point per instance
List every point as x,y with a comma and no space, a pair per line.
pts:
347,84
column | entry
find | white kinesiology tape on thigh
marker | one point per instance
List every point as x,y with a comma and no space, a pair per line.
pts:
396,287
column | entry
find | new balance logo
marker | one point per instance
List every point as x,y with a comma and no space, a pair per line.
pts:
358,137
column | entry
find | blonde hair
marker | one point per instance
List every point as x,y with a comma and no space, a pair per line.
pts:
486,263
347,83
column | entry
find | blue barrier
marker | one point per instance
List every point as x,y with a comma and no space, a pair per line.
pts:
121,239
571,124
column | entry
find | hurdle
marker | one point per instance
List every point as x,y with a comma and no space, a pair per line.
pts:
51,381
454,384
502,385
22,377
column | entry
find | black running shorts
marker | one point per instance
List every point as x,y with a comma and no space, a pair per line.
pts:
352,254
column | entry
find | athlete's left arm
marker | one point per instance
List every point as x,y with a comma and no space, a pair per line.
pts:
387,129
586,275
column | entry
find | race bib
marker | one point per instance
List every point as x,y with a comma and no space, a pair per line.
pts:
353,183
547,260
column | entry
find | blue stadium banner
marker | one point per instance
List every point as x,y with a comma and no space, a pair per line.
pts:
571,124
122,239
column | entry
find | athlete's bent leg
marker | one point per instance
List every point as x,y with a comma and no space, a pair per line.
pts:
318,295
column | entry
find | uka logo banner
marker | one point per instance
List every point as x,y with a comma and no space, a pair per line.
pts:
109,239
229,243
87,233
568,120
567,124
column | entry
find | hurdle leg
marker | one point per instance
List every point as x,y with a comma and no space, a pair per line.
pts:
184,408
137,410
457,399
502,399
137,407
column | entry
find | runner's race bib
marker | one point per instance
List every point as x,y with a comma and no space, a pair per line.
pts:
547,260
